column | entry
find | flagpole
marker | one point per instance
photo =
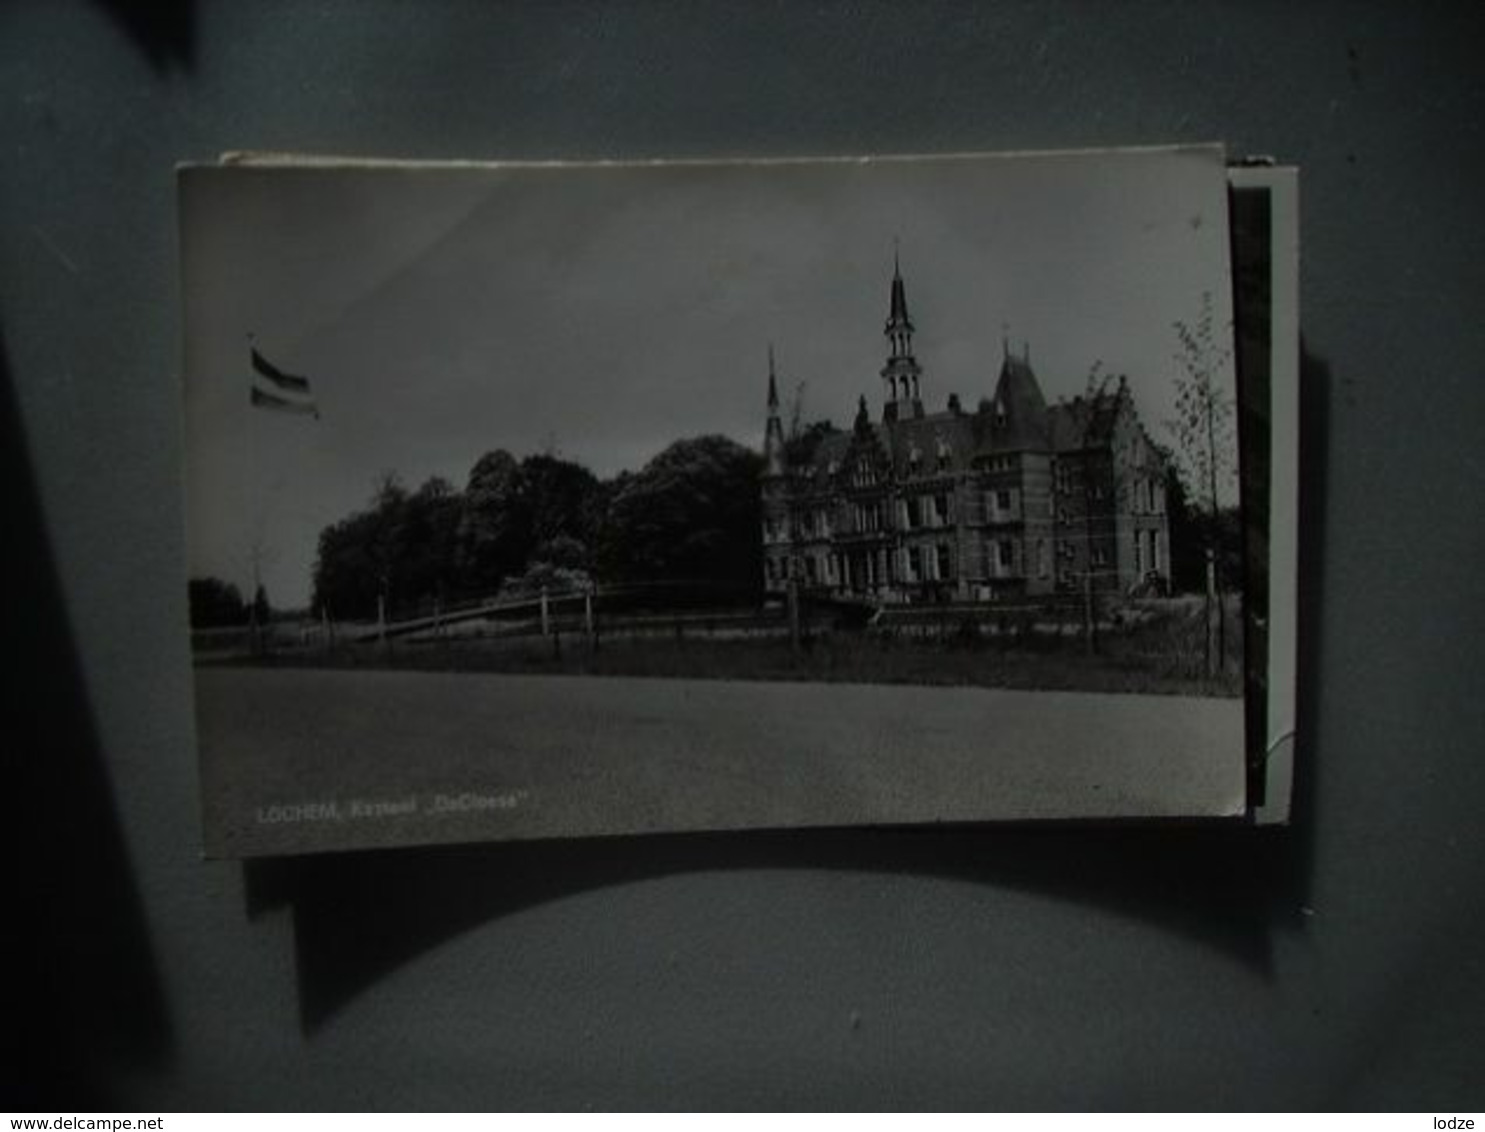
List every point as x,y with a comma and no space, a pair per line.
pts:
255,549
281,391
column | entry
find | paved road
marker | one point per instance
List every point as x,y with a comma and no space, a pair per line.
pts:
305,760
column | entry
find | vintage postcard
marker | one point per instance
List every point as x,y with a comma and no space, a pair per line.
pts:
544,500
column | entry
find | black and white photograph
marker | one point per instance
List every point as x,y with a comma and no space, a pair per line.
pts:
541,500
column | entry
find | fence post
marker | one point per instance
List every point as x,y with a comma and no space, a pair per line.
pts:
381,618
546,615
588,617
793,592
1088,626
1213,618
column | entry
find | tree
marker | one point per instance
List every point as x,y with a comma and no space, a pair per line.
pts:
692,513
800,444
407,551
424,553
1206,445
215,604
348,571
262,611
1089,417
1203,426
388,535
514,510
493,539
558,497
1187,539
392,552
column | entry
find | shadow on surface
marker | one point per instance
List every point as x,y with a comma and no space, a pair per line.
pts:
359,916
87,998
164,30
1315,399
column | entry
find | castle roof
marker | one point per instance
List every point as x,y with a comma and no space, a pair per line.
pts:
1016,419
1018,414
1083,421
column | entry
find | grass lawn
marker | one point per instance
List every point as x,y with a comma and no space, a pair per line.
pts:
1160,655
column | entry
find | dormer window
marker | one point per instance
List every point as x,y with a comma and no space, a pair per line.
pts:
999,412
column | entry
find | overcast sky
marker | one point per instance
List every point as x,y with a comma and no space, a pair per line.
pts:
605,311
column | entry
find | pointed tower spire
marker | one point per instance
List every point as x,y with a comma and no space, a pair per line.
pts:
897,314
901,373
774,457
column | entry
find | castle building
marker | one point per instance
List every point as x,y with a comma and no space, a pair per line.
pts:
1016,499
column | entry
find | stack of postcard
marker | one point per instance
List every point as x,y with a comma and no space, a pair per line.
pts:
531,500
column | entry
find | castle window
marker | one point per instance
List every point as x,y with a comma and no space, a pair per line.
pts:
941,509
1003,500
915,564
1043,560
915,459
945,565
1005,554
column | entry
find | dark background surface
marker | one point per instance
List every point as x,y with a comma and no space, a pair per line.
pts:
1337,964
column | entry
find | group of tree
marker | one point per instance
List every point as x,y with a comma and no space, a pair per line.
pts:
215,604
1194,529
690,514
1204,429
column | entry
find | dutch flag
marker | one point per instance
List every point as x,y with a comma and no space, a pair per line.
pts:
280,392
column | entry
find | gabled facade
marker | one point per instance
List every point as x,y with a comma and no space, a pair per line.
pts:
1015,499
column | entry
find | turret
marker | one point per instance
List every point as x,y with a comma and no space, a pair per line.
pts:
775,459
901,374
